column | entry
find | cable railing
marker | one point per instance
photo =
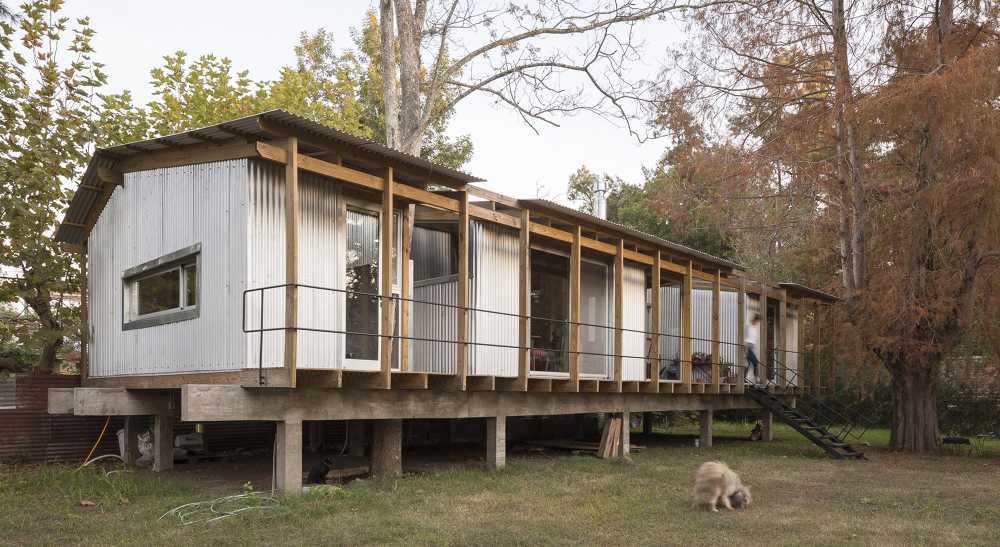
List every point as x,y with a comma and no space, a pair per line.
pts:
702,370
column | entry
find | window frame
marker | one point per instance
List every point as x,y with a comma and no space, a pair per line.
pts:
177,261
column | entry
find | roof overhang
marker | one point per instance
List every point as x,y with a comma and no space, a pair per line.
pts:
802,291
613,228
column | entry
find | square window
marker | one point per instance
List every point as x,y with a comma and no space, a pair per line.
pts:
164,290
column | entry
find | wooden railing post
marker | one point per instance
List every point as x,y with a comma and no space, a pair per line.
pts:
780,338
388,274
817,374
687,305
619,315
741,351
404,289
716,331
763,352
574,311
462,358
291,257
653,386
524,302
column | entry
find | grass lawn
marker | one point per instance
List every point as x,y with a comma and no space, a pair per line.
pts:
800,498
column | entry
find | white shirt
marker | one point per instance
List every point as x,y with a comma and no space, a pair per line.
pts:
752,335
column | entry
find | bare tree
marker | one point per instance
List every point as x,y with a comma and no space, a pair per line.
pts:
554,58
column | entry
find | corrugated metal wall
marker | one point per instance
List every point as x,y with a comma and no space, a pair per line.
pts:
701,319
435,322
158,212
320,263
495,288
670,326
634,317
792,344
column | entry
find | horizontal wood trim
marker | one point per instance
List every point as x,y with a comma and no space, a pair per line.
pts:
189,155
552,233
163,381
490,195
483,213
423,196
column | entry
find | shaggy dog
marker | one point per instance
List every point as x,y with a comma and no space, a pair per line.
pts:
715,481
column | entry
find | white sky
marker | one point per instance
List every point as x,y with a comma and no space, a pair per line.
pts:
132,37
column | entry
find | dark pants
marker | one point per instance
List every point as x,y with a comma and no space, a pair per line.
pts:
752,364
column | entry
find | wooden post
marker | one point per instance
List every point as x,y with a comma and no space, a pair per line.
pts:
387,449
404,303
524,302
84,319
291,257
763,352
132,439
288,459
705,418
626,435
781,326
817,374
163,442
619,313
462,359
496,442
741,350
654,326
574,311
716,332
687,295
387,266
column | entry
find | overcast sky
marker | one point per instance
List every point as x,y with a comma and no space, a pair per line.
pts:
132,37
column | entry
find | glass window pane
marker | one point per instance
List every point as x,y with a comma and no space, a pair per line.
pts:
191,285
362,309
159,292
549,310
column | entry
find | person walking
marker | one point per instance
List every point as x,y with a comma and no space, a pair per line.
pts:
752,341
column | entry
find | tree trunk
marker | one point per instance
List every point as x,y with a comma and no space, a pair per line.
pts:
409,24
914,410
390,91
41,303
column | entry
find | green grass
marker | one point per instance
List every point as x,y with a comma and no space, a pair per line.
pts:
800,498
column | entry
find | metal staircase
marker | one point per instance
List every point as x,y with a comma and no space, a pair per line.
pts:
811,429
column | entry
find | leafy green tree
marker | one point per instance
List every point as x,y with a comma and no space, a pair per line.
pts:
48,83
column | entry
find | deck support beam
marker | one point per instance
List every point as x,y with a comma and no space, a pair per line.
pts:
496,442
706,417
288,457
387,449
687,295
388,275
653,375
291,258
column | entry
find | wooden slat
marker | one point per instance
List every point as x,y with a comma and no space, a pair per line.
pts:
462,359
741,318
427,198
292,210
387,273
524,301
404,304
550,232
619,312
687,296
483,213
716,332
573,384
653,386
490,195
638,257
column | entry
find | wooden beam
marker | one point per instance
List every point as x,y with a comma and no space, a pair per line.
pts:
817,376
716,332
388,275
763,372
188,155
741,351
687,296
573,383
291,258
780,336
490,195
619,312
462,359
405,276
84,317
524,304
166,381
653,385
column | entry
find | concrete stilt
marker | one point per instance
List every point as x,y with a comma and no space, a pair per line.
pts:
288,457
766,426
626,435
387,448
496,442
706,417
163,442
357,437
132,425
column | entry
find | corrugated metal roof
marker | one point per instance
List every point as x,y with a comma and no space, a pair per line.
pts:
547,206
249,127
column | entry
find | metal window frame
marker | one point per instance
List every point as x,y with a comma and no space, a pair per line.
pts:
176,260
